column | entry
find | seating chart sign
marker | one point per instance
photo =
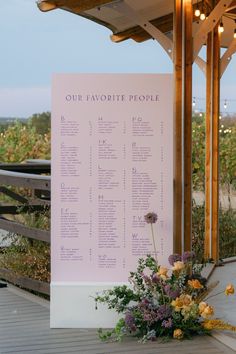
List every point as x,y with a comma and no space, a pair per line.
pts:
111,164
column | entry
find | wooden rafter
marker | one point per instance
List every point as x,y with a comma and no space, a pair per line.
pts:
164,24
79,5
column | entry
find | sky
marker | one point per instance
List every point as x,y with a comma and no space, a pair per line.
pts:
35,45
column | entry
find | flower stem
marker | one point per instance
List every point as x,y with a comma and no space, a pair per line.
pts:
154,244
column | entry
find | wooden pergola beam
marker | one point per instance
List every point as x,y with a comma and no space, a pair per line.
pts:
207,26
80,5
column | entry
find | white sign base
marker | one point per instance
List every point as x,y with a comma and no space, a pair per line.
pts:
73,306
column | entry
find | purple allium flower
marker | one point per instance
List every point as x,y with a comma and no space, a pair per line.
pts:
188,256
150,218
156,279
130,321
167,323
172,293
174,258
164,311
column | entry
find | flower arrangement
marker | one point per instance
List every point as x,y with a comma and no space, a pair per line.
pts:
163,302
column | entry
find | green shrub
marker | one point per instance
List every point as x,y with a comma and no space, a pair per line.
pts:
20,142
227,230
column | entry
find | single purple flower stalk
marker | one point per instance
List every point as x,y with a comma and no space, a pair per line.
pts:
174,258
151,218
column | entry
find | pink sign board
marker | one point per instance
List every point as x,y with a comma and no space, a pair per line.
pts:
111,164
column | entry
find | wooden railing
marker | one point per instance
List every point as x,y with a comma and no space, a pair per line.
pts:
29,177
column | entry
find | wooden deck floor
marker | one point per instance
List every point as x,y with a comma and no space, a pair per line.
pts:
24,329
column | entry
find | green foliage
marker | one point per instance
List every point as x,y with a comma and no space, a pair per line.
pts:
227,230
198,154
20,142
227,222
27,258
41,122
198,230
227,134
228,157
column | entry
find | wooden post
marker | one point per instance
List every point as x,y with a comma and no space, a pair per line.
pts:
183,125
215,144
187,121
178,132
207,240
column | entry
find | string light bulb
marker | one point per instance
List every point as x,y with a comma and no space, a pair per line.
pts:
202,16
197,12
194,101
221,27
225,104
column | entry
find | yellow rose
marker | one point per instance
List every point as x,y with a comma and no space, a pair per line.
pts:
162,272
178,266
208,312
229,290
182,302
177,304
202,306
178,333
195,284
187,299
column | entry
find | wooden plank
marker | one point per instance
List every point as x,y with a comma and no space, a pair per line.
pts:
19,209
215,145
28,167
25,180
13,195
177,154
207,239
187,97
24,282
30,232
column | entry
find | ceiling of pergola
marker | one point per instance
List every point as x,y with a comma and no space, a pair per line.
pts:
158,12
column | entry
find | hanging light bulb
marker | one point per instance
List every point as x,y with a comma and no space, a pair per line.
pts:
221,27
202,15
225,104
194,101
197,12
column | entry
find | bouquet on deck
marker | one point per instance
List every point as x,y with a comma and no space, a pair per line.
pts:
163,302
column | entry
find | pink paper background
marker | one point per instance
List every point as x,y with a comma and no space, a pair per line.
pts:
111,164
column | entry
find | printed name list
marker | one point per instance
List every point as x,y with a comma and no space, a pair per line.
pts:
111,164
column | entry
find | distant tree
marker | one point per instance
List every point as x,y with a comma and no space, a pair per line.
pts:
41,122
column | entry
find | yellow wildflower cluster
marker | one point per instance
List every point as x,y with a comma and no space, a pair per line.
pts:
229,290
218,324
